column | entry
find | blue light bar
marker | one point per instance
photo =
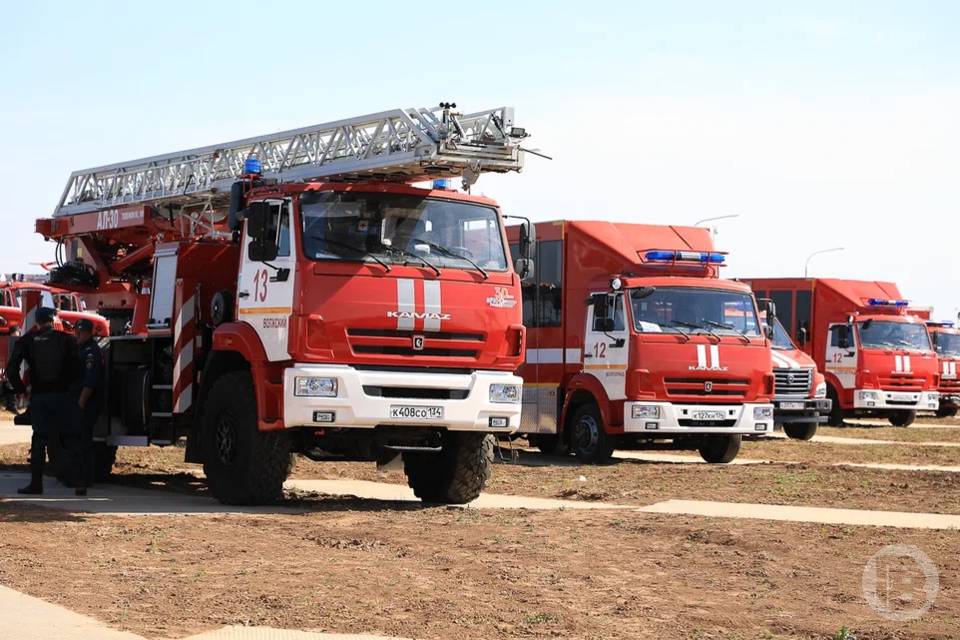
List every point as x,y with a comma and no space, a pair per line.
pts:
943,323
703,257
252,165
441,183
880,302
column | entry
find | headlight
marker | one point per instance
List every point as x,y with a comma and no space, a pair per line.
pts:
763,413
649,411
821,391
868,395
505,393
315,387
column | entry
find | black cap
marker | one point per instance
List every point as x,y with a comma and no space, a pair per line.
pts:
83,324
45,314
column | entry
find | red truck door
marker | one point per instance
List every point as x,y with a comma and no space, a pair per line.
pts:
841,355
606,344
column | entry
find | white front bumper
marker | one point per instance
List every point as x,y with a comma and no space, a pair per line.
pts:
675,418
896,400
354,407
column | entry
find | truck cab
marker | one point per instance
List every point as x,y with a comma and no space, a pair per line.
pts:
634,340
800,401
877,358
946,342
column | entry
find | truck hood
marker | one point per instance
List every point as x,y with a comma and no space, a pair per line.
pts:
949,367
406,319
700,371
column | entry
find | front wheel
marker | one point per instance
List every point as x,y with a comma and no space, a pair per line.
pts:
946,411
457,474
719,449
835,417
800,431
902,418
244,466
588,438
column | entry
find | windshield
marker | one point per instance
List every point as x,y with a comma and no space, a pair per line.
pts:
401,229
882,334
948,344
688,309
780,338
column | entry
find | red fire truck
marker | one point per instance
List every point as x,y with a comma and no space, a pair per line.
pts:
296,293
946,341
877,358
633,339
800,401
69,305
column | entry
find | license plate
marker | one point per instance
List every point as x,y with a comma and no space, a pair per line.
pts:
791,405
902,397
708,415
412,412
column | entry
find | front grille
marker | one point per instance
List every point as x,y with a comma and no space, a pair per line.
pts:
706,423
792,382
727,388
395,342
410,351
415,393
901,383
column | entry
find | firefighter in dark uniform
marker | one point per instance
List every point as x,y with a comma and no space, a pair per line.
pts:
88,402
52,358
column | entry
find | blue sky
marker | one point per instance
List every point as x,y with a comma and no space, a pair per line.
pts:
820,124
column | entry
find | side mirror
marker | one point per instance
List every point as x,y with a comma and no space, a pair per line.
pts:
768,330
768,305
802,336
524,268
528,240
263,241
257,216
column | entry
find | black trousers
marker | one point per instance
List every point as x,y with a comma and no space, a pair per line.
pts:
50,417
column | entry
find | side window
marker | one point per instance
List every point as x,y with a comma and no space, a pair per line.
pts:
603,309
838,334
283,229
528,292
549,280
784,302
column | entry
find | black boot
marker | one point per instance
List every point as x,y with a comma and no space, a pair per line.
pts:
35,487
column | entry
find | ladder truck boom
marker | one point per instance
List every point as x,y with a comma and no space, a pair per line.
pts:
405,145
299,293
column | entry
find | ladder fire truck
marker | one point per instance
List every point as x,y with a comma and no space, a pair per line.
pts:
635,340
298,293
876,356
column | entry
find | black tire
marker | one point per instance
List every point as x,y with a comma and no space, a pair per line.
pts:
588,438
243,465
835,417
547,443
902,418
719,449
800,431
946,411
457,474
104,457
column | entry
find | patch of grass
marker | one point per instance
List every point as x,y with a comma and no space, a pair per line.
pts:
844,633
538,618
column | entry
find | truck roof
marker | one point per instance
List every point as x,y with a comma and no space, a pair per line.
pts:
857,292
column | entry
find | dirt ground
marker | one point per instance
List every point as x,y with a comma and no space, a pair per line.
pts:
405,570
918,433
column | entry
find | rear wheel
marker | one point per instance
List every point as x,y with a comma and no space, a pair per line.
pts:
835,417
588,438
902,418
946,411
800,431
719,449
243,464
457,474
